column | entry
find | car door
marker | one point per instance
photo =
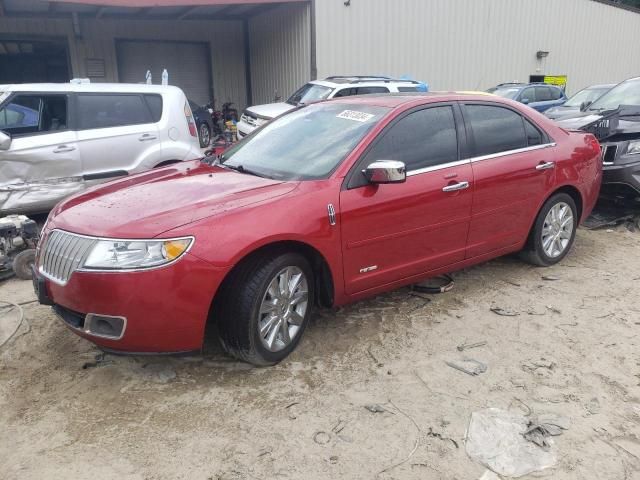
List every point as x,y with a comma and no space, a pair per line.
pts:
544,98
391,232
513,171
528,96
117,134
42,164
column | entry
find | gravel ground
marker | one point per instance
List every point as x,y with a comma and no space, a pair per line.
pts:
572,349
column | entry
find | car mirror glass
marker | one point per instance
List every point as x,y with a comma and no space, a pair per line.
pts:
385,171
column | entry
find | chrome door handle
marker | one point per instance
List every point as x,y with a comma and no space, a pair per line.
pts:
456,186
146,137
546,166
63,149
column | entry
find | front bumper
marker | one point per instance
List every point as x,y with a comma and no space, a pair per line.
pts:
244,129
163,310
628,173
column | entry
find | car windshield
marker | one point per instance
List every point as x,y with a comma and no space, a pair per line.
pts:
586,95
510,93
309,93
625,93
305,144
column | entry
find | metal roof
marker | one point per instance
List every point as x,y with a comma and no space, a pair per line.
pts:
141,9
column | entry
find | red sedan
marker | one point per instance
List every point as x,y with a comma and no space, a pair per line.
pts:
326,205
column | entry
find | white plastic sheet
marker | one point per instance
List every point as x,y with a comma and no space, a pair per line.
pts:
494,439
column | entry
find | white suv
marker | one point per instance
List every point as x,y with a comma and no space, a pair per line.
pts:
316,90
58,139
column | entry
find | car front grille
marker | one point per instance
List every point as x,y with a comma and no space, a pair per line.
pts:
609,154
62,253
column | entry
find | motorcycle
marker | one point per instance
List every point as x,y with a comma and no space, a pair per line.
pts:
221,117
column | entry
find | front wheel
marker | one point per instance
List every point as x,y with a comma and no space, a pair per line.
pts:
554,231
266,307
204,134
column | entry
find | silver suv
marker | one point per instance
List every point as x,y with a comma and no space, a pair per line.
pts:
58,139
330,87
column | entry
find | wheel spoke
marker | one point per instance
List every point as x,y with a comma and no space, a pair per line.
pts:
294,282
300,296
267,307
266,328
546,243
274,290
284,330
558,246
565,234
566,222
296,318
284,282
273,333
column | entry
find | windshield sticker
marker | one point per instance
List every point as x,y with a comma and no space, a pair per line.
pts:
355,116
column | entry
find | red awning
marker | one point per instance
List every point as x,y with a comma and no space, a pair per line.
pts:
166,3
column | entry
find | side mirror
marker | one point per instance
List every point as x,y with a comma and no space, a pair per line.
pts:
526,101
385,171
5,141
585,105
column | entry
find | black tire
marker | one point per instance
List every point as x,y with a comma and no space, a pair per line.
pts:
204,135
534,252
241,297
23,262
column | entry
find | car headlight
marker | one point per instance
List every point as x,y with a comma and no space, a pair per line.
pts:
133,254
633,148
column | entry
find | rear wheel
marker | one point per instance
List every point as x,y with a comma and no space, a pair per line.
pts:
554,231
204,134
23,262
266,307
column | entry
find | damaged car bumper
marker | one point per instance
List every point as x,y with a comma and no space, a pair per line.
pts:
621,165
162,309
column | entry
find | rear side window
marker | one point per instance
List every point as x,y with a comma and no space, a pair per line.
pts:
407,89
495,129
104,111
556,93
534,136
543,94
421,139
154,102
368,90
29,114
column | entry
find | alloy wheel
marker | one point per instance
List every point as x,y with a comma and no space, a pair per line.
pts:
204,135
283,308
557,230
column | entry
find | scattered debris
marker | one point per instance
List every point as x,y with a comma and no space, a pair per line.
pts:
553,309
265,451
495,439
536,365
415,446
321,438
550,278
544,426
440,284
511,282
333,459
469,366
338,427
593,406
373,357
467,346
439,436
99,361
375,408
502,312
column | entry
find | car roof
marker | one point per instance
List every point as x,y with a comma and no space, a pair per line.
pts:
362,81
88,87
603,85
407,99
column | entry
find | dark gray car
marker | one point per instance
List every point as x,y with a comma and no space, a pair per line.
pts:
615,120
581,100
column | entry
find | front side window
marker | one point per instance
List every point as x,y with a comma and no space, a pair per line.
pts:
309,93
104,111
543,94
586,95
625,93
370,90
529,95
421,139
29,114
556,93
495,129
308,143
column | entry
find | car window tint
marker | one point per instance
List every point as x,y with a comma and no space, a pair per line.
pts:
345,92
103,111
528,93
155,106
407,89
421,139
534,136
27,114
556,93
368,90
543,94
495,129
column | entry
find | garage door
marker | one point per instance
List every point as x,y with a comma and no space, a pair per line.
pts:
187,64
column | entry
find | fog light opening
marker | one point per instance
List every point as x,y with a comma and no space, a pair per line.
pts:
105,326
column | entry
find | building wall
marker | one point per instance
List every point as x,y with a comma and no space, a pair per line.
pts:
280,42
98,37
472,45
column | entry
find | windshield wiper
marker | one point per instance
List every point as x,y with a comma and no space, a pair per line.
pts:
241,169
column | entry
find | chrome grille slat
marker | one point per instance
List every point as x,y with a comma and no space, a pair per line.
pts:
62,254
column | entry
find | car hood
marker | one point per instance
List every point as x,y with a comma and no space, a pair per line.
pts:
580,119
624,120
561,111
146,205
270,110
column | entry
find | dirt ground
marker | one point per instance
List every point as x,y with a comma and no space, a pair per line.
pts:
571,349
